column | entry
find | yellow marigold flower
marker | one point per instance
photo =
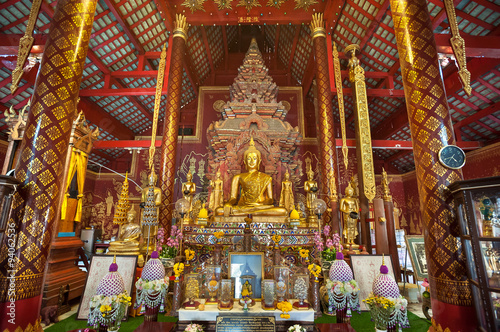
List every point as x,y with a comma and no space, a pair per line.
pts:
304,253
219,234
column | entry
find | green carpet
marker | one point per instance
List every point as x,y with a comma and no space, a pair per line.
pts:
360,323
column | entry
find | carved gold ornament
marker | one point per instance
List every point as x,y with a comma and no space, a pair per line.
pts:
340,97
304,4
248,4
25,44
181,26
357,77
194,5
317,27
458,45
223,4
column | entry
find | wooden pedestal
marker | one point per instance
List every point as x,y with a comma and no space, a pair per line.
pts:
62,270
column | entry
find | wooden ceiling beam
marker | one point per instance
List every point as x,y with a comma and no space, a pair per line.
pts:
399,118
166,14
126,27
492,108
374,24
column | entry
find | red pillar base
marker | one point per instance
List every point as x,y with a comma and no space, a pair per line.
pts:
23,314
456,318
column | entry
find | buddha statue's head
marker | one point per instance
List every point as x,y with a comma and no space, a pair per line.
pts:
131,216
189,176
252,156
349,191
287,176
153,178
218,175
310,174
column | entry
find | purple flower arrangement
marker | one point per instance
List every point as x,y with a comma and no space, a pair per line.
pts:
168,248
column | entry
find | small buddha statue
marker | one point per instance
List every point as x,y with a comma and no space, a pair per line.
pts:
128,238
149,232
189,190
286,197
251,192
310,187
217,194
350,208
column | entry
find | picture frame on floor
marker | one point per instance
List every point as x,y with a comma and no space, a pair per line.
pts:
416,250
99,267
365,269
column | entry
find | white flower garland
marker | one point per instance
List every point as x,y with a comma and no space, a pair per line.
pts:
108,310
343,294
296,328
151,293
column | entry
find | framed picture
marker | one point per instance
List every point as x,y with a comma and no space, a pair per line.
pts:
99,267
242,264
365,269
416,249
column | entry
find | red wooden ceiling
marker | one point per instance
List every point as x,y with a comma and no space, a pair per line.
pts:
117,90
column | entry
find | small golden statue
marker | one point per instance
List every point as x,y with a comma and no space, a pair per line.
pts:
189,189
128,239
286,197
385,186
217,194
350,207
251,192
149,232
310,187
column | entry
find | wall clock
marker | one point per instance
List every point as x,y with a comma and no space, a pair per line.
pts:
452,156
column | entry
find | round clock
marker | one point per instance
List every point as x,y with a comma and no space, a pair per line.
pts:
452,156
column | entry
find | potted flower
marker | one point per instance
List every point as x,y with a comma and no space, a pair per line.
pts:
167,249
296,328
194,328
387,312
333,246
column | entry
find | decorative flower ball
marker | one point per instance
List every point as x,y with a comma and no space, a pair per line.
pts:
112,283
385,285
154,269
340,270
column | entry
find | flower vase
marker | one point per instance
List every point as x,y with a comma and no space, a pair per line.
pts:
378,330
103,328
341,315
168,262
245,306
151,314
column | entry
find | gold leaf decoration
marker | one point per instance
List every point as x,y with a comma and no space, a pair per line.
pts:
223,4
248,4
275,3
304,4
194,5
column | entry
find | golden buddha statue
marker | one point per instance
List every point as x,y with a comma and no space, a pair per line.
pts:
310,187
128,239
217,194
349,204
149,232
189,189
286,197
254,189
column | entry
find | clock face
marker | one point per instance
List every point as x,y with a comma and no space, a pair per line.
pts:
452,156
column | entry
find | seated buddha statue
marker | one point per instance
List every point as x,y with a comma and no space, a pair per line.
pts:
251,192
128,239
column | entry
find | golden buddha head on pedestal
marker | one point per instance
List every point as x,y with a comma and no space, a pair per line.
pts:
252,156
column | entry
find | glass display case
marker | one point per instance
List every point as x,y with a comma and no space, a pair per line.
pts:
192,291
477,204
281,276
301,290
211,278
268,294
226,295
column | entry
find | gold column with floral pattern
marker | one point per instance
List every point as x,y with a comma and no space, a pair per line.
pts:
35,206
431,129
171,124
328,153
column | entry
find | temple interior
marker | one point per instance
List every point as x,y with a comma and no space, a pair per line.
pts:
250,165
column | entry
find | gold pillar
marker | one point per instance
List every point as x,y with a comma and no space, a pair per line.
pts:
364,155
25,247
431,129
328,153
171,123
